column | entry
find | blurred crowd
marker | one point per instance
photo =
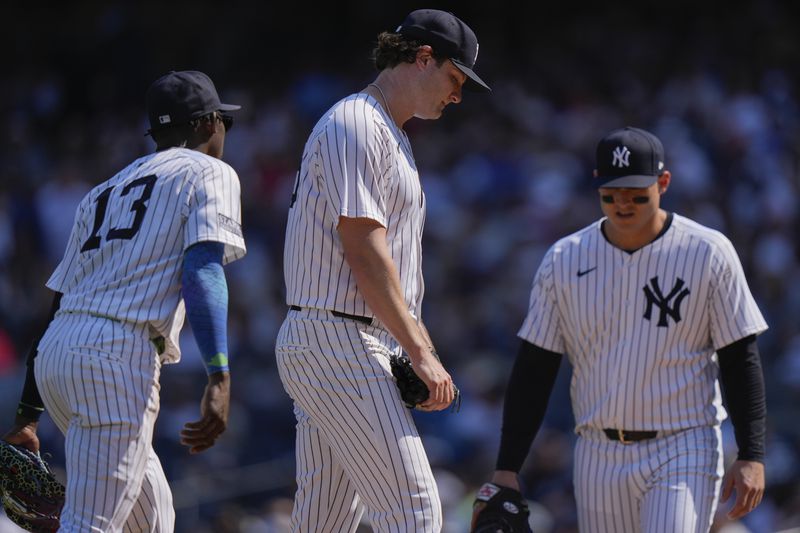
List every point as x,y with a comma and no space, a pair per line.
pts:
505,175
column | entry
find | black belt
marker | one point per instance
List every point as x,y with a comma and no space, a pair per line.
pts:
626,437
365,319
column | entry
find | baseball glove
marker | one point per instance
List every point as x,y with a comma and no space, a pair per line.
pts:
499,510
31,494
413,390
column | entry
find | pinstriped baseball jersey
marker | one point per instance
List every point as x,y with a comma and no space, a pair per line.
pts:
356,163
641,329
125,254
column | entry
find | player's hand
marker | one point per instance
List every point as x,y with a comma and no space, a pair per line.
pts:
747,479
214,406
23,434
440,384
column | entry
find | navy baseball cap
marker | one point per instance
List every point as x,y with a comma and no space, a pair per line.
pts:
449,37
179,97
629,158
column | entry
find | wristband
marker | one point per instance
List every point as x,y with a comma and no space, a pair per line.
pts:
218,363
29,412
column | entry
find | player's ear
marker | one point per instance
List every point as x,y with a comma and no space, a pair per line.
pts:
424,55
205,127
663,181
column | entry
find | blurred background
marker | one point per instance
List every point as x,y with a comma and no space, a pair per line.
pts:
505,176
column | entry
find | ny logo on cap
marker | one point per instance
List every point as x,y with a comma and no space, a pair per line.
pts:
164,119
477,47
621,155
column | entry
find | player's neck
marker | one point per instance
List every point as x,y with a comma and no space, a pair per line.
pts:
202,148
633,238
387,90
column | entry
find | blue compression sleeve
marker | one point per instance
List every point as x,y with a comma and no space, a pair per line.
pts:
205,293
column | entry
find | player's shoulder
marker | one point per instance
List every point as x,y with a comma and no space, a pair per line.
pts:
695,234
192,162
355,110
188,156
357,102
116,179
583,238
574,244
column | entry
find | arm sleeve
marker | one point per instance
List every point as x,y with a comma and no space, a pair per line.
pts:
529,387
31,404
743,384
205,292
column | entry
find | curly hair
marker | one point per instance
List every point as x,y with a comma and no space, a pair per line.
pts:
393,49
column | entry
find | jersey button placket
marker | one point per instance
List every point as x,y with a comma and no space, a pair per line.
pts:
622,331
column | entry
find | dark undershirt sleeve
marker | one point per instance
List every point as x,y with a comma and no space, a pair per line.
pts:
30,393
743,385
529,387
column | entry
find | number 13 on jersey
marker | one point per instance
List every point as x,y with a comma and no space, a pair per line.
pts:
144,185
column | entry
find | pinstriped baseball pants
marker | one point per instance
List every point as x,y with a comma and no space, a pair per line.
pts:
669,484
358,450
99,382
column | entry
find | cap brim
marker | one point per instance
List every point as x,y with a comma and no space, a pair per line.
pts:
625,182
474,82
229,107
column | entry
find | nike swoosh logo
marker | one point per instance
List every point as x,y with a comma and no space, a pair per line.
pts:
584,272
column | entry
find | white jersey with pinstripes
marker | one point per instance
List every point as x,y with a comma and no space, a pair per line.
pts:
641,329
124,257
356,163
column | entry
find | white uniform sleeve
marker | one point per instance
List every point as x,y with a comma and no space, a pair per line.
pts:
64,274
734,313
215,211
542,325
353,168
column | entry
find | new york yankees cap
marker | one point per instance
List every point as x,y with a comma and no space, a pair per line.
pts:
179,97
630,158
450,37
